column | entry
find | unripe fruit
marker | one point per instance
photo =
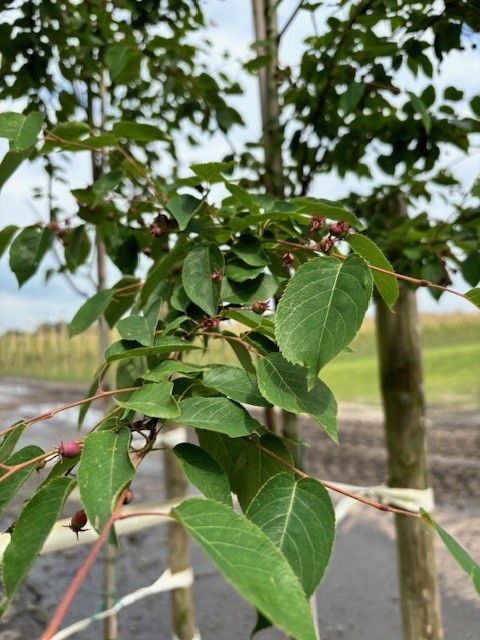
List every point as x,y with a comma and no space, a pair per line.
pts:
325,244
69,449
78,521
128,497
339,228
216,276
316,222
155,230
259,307
288,259
210,323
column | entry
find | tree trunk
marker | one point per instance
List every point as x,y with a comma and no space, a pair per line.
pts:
266,32
401,378
179,550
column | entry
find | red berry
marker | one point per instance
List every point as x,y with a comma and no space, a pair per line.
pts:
210,323
288,259
339,228
155,230
316,222
259,307
69,449
326,244
78,521
216,276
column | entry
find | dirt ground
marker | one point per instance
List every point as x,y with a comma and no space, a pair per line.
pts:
358,599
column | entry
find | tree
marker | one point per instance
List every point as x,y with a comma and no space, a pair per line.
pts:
343,109
223,262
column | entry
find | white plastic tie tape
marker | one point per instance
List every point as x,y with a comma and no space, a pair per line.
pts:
196,636
166,582
408,499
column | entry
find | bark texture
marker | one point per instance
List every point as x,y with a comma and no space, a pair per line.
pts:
401,376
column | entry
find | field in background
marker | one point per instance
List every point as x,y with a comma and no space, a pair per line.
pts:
451,359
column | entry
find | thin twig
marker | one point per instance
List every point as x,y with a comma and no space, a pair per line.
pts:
328,485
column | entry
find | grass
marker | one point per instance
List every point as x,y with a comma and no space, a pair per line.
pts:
451,353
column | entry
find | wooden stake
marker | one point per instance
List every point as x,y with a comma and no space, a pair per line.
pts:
183,611
401,378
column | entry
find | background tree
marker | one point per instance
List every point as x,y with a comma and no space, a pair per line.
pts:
346,108
126,233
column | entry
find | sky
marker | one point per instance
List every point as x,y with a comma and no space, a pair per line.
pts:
231,28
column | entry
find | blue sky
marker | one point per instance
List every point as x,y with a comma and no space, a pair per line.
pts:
230,28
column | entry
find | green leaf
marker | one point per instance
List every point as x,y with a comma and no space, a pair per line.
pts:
6,235
471,268
420,108
27,251
239,271
470,567
387,285
106,183
243,197
243,354
255,467
169,367
235,383
217,414
65,135
204,472
321,310
31,530
263,287
474,296
250,562
136,328
10,440
162,269
22,131
253,320
223,449
138,131
330,209
12,484
90,311
199,286
299,517
285,385
10,124
130,349
153,400
211,171
183,208
105,470
10,163
352,96
250,250
123,63
28,132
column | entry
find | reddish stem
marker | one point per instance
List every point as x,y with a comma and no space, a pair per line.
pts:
332,487
49,414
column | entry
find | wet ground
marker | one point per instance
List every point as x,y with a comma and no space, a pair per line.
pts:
358,599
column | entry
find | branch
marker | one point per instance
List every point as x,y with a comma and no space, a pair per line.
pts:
420,282
79,578
49,414
289,21
371,503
